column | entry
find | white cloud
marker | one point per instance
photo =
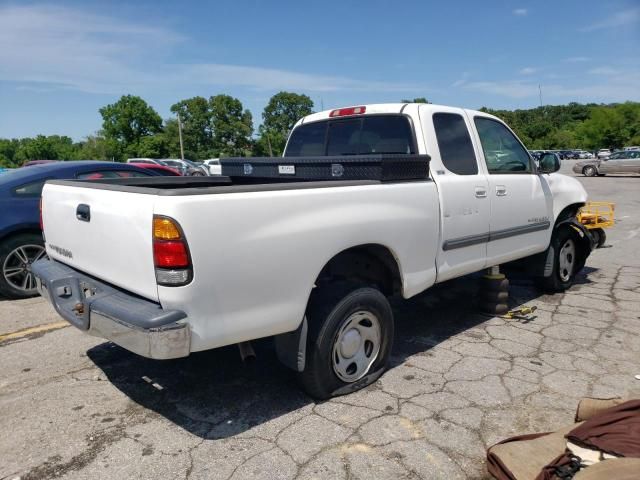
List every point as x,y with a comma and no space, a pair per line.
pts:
604,71
462,80
618,19
520,12
577,59
611,89
66,48
528,71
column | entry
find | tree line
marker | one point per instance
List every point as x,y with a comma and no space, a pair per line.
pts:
220,126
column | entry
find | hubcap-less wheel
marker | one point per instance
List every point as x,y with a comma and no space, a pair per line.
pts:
17,267
567,260
357,346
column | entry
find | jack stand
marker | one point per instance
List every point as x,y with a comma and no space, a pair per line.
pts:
494,292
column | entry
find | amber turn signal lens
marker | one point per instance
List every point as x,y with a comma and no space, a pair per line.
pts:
165,229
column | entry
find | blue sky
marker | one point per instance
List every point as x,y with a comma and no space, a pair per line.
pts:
61,61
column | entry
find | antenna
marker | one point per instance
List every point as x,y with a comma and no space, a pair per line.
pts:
540,91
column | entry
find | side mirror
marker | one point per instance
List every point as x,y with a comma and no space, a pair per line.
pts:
549,163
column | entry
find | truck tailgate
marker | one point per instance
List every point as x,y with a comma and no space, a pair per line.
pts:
103,233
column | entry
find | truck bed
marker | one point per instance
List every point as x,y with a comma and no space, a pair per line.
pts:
252,174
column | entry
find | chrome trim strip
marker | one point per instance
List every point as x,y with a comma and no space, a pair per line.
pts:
521,230
465,241
470,240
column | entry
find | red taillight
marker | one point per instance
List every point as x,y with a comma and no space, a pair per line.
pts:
171,254
343,112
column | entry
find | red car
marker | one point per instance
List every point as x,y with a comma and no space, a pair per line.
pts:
159,169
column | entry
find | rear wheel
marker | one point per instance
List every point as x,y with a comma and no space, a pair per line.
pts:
589,171
16,256
349,341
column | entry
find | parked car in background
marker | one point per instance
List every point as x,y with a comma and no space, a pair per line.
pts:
186,167
159,169
603,153
618,162
20,234
145,160
213,165
582,154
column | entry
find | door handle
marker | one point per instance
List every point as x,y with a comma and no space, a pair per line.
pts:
83,213
481,192
501,190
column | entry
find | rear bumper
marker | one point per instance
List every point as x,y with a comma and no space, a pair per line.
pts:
99,309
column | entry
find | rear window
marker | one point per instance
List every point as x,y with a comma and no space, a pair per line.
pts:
353,136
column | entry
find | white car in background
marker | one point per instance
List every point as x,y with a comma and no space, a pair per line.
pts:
213,165
604,153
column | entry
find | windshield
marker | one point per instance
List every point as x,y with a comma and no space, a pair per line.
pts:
352,136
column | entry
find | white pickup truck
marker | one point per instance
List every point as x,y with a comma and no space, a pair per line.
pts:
311,263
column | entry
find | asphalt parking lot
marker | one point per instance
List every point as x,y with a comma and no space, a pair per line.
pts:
73,406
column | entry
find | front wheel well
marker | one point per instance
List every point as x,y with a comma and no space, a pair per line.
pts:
370,264
568,212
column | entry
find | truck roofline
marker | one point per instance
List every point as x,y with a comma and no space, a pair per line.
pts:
381,108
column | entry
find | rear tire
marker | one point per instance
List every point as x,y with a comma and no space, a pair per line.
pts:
16,255
349,340
566,262
589,171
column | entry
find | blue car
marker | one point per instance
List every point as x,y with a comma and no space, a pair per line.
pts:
20,233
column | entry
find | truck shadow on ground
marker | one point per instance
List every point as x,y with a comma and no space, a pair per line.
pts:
215,395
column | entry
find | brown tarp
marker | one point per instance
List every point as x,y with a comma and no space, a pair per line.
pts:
615,430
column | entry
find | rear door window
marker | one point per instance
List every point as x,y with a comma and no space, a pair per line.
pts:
454,143
385,134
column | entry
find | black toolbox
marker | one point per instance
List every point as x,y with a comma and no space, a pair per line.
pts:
379,167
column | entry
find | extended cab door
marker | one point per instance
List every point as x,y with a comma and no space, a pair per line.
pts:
462,189
521,200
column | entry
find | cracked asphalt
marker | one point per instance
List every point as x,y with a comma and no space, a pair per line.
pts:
75,407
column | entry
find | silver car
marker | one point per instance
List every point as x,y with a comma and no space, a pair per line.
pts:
617,162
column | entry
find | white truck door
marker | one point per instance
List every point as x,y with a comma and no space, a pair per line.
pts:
462,189
521,200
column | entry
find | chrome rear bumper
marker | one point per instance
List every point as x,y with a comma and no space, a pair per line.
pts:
134,323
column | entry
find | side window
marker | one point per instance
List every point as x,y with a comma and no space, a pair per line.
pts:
454,142
33,189
502,150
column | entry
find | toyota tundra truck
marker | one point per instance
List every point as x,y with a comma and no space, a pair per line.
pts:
312,258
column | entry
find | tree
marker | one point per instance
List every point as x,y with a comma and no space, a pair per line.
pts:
53,147
97,147
129,120
232,126
281,113
416,100
197,127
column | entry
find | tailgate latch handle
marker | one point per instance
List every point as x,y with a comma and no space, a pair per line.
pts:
83,213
